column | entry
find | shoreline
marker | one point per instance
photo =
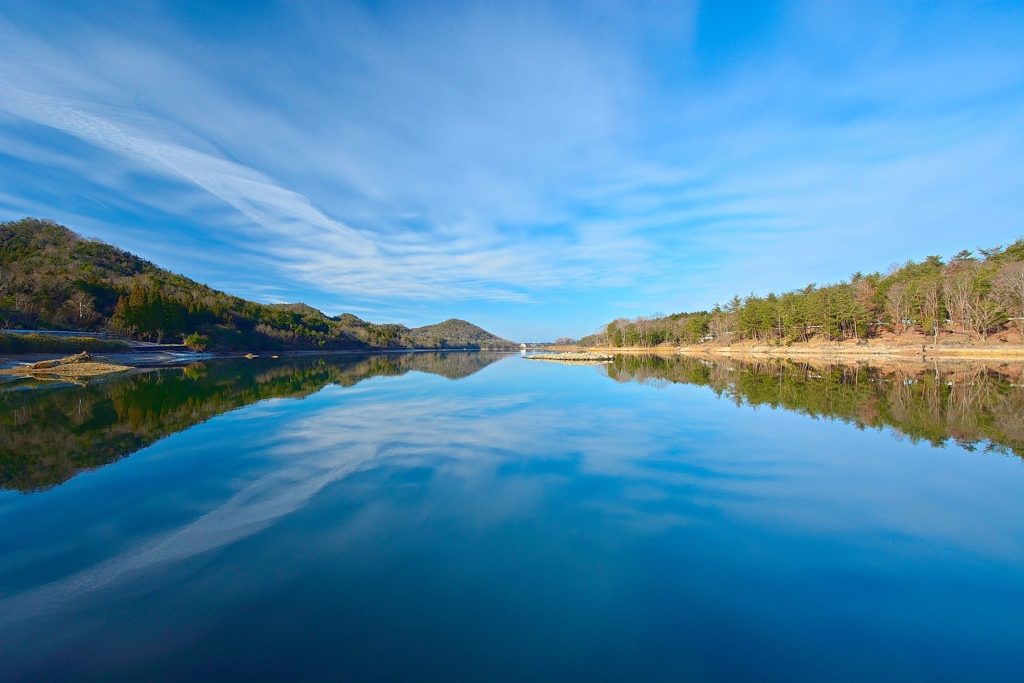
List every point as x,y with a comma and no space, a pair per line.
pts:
878,352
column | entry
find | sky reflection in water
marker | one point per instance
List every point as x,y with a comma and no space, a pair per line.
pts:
527,521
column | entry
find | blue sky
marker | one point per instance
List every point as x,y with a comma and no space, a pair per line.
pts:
536,168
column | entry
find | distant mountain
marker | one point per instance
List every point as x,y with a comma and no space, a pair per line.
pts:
52,278
454,333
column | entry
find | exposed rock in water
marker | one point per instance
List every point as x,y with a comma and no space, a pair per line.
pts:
82,357
78,365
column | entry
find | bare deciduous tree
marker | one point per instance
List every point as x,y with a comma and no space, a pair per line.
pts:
79,311
718,324
863,295
1008,290
985,315
958,289
898,300
931,306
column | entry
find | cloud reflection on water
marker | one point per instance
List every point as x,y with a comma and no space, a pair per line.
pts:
667,458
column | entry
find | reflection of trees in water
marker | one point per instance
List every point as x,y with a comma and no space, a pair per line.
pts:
1008,417
968,404
48,434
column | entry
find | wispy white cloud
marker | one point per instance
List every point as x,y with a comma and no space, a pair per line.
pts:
458,255
433,158
310,244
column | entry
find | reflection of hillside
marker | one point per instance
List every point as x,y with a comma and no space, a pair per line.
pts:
450,365
48,435
969,405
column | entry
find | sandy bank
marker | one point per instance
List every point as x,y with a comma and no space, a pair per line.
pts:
844,351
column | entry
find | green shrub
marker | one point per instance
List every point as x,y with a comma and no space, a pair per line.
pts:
196,341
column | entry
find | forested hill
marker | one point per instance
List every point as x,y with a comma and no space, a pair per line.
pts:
969,298
52,278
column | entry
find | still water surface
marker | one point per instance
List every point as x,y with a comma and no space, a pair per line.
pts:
478,517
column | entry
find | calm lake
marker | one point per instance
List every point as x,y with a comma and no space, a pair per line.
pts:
482,517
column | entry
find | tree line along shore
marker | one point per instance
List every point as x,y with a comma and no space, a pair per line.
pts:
975,299
54,279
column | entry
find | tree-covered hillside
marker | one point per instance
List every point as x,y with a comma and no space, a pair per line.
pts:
52,278
972,296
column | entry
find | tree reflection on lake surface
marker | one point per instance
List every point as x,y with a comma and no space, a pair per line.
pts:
969,404
529,521
48,434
